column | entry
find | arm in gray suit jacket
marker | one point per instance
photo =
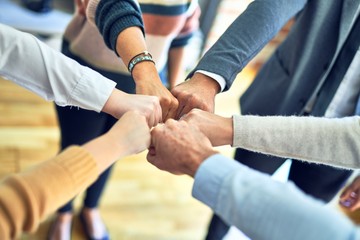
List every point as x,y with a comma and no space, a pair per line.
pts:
246,36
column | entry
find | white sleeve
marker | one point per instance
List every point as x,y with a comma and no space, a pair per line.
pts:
219,79
33,65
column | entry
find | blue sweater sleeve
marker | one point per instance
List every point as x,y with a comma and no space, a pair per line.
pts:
246,36
266,209
113,16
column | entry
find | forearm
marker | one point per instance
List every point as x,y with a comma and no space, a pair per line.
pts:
106,151
145,71
320,140
50,74
176,68
263,208
247,35
28,197
120,23
117,104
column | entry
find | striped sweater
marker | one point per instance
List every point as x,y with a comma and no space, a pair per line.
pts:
165,23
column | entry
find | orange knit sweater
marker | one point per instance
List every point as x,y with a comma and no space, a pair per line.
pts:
27,197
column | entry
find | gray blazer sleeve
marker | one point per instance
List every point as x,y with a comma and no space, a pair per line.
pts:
246,36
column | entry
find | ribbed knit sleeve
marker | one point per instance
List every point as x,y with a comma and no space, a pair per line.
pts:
26,198
331,141
113,16
91,10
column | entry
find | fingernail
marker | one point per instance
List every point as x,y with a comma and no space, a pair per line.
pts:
353,195
346,203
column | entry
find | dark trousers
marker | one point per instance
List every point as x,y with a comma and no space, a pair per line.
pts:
78,126
319,181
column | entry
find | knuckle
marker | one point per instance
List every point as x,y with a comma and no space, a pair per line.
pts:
193,112
165,101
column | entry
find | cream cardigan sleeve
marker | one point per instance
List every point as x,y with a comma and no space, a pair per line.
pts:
33,65
91,10
27,197
329,141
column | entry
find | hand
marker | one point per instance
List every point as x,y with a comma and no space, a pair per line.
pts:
198,92
144,73
148,106
178,147
130,134
148,83
218,129
350,198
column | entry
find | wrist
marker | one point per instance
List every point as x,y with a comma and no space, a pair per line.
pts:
116,143
114,105
144,56
228,132
207,81
145,71
193,167
103,151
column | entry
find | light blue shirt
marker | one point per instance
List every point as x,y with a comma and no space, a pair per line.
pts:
266,209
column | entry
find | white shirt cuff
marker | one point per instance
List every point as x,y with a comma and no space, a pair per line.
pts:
219,79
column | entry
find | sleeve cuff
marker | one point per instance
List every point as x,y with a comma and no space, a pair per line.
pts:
237,131
219,79
91,11
92,91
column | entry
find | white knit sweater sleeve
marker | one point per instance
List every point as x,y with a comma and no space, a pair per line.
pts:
331,141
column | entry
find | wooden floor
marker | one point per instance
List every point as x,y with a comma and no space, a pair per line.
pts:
140,201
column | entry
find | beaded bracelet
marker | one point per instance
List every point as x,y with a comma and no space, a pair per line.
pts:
141,57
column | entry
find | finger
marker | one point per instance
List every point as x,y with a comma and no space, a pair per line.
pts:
159,114
184,117
179,111
355,206
173,109
186,110
354,197
155,117
151,121
182,101
152,151
348,198
165,109
150,158
156,132
343,193
346,192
